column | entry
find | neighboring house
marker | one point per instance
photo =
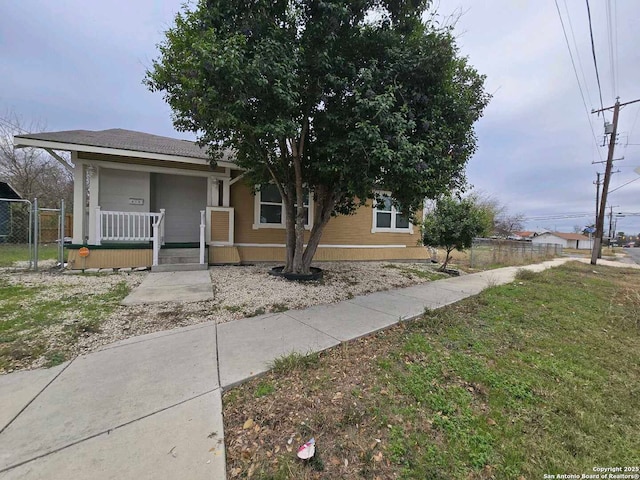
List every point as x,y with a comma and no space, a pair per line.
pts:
567,240
148,194
525,235
7,193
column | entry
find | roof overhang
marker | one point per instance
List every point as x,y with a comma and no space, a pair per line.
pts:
22,142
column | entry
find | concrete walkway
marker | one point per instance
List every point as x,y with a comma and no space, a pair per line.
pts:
191,286
149,407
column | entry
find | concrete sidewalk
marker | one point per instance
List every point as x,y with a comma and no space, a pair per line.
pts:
247,347
149,407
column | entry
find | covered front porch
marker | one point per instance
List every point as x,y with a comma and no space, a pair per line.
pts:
137,195
160,210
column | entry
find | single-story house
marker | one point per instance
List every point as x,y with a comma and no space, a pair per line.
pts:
567,240
525,235
7,194
139,196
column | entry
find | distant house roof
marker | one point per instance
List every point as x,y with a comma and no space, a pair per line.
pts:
7,191
525,234
118,139
568,236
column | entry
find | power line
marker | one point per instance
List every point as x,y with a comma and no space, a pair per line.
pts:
633,125
593,51
575,47
559,217
624,184
614,41
610,44
575,71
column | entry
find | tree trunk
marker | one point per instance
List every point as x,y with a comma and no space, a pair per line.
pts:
325,202
298,266
290,224
446,260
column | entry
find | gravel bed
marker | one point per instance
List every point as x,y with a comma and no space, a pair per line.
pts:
239,291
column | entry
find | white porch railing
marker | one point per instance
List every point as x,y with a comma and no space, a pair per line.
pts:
202,232
158,237
140,227
114,226
124,226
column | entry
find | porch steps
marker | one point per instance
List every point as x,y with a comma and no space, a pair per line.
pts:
179,260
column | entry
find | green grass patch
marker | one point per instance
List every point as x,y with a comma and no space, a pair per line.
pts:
263,389
279,307
234,308
294,361
539,376
11,253
408,271
26,312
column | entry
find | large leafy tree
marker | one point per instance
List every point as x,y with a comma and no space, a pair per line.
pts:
344,97
454,223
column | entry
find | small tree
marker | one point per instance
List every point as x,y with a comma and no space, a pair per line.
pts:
339,97
453,224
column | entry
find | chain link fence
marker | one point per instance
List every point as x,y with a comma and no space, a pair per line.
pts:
486,252
16,218
32,236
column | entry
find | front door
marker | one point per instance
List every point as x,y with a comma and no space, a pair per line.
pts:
182,197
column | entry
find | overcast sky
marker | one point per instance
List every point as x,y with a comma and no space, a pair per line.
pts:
75,64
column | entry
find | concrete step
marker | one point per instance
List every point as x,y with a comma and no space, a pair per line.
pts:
179,267
178,252
176,260
179,255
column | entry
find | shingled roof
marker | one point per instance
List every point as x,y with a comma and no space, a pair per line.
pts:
570,236
8,192
119,138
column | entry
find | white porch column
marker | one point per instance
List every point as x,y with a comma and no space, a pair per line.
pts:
94,201
214,192
226,191
79,200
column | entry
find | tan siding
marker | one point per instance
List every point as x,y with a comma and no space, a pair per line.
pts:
223,255
111,259
336,254
219,226
328,254
342,230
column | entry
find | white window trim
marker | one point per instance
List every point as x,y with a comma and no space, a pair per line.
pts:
256,214
394,212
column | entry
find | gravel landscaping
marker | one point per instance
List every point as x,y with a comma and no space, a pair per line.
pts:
75,314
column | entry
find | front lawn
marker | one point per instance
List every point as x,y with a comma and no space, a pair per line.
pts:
42,319
540,376
47,317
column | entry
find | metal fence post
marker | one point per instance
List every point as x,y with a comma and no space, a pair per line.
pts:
61,236
36,231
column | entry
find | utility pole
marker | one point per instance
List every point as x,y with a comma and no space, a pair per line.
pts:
598,183
597,244
611,207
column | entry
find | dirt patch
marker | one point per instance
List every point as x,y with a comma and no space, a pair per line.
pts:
266,420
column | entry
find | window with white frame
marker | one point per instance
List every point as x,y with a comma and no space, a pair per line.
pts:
270,209
387,218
